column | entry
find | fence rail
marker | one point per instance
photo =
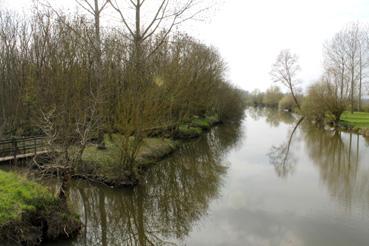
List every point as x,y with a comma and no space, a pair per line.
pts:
21,148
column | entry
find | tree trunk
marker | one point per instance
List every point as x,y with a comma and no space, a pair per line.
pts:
294,98
98,76
342,77
64,188
352,89
360,81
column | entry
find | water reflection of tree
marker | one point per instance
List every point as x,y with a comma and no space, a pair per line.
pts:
338,160
224,138
255,113
175,195
280,156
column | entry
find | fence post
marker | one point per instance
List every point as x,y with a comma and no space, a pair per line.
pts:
24,146
35,143
15,150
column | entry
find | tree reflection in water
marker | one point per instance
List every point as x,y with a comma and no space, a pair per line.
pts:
175,194
337,156
280,156
342,167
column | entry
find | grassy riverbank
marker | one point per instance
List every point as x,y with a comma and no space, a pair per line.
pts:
29,213
356,120
110,165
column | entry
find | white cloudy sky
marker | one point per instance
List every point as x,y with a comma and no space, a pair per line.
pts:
250,33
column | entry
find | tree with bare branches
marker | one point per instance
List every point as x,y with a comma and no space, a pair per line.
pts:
284,71
97,87
346,59
166,15
95,8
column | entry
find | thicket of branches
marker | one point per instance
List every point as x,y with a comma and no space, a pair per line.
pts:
48,79
344,81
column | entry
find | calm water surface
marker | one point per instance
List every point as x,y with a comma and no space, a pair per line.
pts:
262,182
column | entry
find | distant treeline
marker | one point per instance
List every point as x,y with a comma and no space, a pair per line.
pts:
273,97
341,87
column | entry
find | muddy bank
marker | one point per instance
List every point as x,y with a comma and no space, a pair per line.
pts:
361,131
30,214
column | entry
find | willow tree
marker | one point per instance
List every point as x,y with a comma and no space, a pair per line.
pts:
284,71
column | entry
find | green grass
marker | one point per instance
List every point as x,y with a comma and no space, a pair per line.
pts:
151,149
18,195
195,127
202,123
357,119
186,131
213,119
107,157
206,122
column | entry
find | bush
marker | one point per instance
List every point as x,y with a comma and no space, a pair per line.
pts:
322,104
272,97
287,103
230,105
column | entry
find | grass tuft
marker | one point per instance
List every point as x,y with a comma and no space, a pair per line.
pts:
18,196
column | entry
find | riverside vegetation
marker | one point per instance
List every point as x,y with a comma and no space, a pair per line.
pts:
337,99
109,102
30,214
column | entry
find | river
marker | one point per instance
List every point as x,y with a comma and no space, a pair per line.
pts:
249,183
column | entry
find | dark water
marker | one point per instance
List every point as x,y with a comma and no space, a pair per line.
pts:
245,184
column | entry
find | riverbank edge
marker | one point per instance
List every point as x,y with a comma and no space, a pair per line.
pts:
351,129
55,222
341,125
344,127
31,214
172,140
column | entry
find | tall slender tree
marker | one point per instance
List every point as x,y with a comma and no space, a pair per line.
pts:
95,8
284,71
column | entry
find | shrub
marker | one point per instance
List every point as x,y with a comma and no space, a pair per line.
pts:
287,103
272,97
322,101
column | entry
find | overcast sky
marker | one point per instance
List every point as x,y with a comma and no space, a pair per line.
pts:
250,33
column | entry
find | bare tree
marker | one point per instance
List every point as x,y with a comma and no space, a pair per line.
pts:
346,59
280,157
284,71
151,17
353,54
66,141
363,62
335,63
95,8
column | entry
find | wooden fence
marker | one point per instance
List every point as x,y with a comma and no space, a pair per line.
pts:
21,148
